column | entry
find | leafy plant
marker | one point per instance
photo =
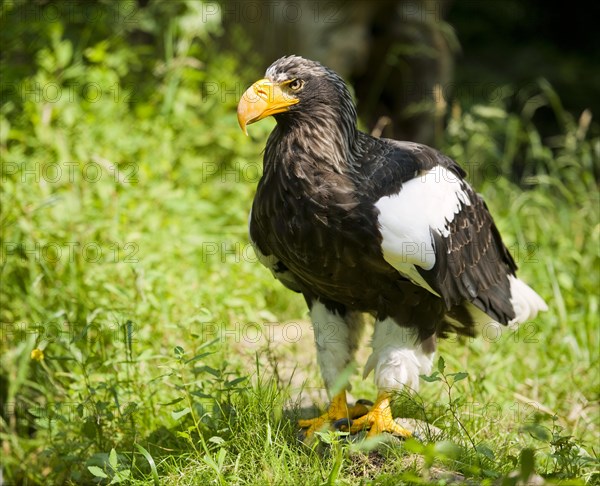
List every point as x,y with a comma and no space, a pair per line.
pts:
129,286
113,471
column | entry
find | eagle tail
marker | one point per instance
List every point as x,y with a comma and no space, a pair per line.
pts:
525,301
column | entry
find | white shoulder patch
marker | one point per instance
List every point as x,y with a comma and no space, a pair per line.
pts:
427,202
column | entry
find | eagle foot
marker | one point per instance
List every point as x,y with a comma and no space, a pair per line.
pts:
378,420
339,415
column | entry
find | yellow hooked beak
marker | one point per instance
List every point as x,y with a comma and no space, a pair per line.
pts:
262,99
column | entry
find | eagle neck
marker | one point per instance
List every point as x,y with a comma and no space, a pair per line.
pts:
319,143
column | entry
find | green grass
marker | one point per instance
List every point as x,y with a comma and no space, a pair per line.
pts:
145,298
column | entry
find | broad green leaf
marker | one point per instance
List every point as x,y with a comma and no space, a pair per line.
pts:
178,414
461,375
97,472
235,381
113,460
441,366
431,378
538,432
121,476
485,451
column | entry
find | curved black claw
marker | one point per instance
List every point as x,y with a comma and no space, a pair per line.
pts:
343,422
364,401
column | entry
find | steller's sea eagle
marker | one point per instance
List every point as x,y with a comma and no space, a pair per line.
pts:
361,225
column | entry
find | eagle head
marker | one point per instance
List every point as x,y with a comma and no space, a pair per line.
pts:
296,91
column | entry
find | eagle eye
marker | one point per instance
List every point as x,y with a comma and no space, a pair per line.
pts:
296,84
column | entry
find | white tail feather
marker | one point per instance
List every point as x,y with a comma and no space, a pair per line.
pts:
525,301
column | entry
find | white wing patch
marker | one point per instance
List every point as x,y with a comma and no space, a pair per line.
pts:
425,203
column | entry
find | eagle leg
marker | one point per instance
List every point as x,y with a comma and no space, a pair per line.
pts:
379,419
338,410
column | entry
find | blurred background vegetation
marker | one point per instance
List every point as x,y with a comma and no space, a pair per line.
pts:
126,185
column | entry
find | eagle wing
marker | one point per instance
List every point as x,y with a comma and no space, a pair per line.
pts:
437,232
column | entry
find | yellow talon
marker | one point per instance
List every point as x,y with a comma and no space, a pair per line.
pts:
338,409
379,419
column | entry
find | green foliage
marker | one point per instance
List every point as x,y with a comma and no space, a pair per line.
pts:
126,184
114,472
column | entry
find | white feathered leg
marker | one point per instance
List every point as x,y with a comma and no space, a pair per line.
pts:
336,339
398,358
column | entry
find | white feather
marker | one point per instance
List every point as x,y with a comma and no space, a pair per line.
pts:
525,301
398,357
336,339
425,203
526,304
